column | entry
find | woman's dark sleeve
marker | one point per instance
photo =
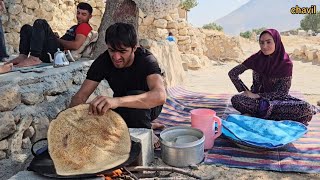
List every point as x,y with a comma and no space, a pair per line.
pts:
281,87
234,76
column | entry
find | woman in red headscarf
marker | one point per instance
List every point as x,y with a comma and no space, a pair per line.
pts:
272,73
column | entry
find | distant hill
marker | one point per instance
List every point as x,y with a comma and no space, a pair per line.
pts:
264,13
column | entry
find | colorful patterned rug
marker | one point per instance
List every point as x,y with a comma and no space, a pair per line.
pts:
302,155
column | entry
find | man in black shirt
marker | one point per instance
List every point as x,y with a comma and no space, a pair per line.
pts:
132,73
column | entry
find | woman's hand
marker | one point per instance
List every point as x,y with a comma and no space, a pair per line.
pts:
250,95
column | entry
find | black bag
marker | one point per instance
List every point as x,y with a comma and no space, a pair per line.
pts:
42,163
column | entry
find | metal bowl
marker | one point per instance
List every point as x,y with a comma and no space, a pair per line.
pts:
182,146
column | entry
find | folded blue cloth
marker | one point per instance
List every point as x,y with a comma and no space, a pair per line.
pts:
260,132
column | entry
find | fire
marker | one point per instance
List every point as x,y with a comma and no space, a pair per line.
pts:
113,174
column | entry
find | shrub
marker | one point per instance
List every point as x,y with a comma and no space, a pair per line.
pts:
188,4
212,26
246,34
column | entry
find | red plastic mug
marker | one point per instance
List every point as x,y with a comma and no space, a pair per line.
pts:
205,119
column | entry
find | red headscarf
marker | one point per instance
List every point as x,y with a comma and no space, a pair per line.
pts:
276,65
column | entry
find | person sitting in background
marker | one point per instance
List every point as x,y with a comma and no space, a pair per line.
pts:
272,74
3,50
171,38
39,39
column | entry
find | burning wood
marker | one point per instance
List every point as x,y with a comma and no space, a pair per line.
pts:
114,174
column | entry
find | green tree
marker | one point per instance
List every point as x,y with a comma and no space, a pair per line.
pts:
213,26
259,31
188,4
246,34
311,21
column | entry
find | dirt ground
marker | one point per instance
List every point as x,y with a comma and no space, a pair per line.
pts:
214,79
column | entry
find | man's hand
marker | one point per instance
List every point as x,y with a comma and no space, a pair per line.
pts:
100,105
250,94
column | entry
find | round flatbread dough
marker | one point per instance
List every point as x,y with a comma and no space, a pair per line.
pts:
80,143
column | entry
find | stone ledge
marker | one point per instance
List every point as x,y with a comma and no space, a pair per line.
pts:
32,77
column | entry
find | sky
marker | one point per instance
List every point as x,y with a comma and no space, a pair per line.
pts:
208,11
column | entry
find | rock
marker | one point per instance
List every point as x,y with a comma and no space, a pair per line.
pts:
15,9
311,54
148,20
43,14
187,41
183,38
174,16
9,97
34,96
2,155
4,145
161,34
97,12
304,48
57,84
26,143
318,103
100,4
95,20
40,125
318,57
168,18
15,145
170,61
172,25
183,32
157,8
47,5
13,38
297,52
55,104
31,4
160,23
193,61
7,124
182,24
29,132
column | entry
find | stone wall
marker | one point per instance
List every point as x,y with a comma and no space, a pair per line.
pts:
29,101
196,41
60,14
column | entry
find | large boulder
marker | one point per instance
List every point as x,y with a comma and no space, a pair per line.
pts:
169,59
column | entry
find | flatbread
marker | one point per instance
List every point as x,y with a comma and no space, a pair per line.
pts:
80,143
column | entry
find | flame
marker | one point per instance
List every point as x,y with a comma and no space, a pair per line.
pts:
113,174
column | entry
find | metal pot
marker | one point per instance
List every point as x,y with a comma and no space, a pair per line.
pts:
182,146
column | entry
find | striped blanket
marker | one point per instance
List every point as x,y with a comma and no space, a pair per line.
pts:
302,155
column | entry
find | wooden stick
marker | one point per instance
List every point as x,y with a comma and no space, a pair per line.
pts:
147,175
170,169
132,175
